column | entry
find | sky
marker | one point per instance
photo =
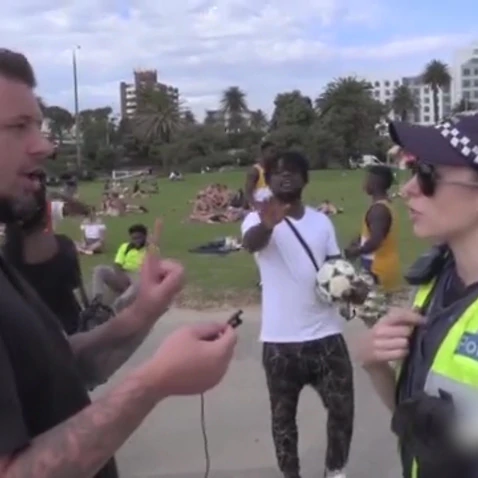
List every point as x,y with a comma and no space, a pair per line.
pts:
204,46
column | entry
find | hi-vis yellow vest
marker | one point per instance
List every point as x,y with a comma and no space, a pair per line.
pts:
455,366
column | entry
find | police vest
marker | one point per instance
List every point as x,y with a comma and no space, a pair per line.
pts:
455,366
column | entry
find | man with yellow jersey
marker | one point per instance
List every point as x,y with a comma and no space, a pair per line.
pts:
256,189
377,246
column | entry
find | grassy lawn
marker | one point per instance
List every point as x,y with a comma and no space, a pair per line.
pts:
213,280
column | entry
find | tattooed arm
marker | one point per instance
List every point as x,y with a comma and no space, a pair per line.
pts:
102,351
80,446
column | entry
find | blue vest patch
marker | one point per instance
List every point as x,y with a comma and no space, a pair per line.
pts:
468,346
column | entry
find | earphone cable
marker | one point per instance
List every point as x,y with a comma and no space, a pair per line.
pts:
205,438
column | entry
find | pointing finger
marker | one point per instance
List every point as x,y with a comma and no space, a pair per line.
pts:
155,238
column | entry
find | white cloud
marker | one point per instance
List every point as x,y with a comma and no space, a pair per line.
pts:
202,46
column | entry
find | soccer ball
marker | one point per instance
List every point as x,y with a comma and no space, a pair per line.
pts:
375,305
335,280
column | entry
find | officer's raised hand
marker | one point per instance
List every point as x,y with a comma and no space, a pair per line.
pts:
388,340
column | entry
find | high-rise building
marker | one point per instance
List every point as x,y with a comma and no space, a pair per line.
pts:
384,90
464,71
143,79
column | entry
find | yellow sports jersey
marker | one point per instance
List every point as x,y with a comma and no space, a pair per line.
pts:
385,262
261,181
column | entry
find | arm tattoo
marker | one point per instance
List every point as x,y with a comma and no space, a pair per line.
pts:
80,446
102,351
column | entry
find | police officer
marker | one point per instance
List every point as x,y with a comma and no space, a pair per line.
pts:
433,344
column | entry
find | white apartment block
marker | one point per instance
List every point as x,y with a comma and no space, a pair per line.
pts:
464,71
383,90
129,100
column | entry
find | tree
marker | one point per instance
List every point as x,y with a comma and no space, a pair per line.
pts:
347,110
60,122
404,102
324,147
234,108
292,108
159,118
258,120
188,118
214,118
437,76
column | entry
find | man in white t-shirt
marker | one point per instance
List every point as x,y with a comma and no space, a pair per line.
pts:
302,338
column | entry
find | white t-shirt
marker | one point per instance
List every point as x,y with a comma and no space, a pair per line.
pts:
93,231
57,215
291,311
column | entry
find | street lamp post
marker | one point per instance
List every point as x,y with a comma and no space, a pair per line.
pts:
77,110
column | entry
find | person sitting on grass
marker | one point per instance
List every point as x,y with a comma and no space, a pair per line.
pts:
120,280
137,192
113,205
94,230
329,209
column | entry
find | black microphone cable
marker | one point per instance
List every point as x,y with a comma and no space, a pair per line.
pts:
234,321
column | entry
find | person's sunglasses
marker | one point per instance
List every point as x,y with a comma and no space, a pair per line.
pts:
428,178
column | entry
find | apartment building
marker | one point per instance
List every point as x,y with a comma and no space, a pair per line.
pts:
383,90
148,79
464,71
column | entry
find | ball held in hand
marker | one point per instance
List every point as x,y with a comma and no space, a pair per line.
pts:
335,281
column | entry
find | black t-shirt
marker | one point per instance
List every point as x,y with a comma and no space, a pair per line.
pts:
39,384
55,281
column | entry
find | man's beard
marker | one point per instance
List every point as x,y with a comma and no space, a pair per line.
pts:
7,211
14,210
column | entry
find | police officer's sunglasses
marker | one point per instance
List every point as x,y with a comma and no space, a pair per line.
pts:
428,178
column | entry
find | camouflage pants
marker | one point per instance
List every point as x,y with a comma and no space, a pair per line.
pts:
324,365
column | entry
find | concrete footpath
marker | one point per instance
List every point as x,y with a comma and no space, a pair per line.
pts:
169,444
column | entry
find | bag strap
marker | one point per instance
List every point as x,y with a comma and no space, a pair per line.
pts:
302,242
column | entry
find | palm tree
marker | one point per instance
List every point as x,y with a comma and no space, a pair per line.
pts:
437,76
258,120
158,116
234,107
403,102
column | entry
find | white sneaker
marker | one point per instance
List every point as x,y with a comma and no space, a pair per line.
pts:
335,474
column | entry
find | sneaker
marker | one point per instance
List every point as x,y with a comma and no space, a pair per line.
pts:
335,474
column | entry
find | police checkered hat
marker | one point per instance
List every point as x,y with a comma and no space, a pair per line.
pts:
453,142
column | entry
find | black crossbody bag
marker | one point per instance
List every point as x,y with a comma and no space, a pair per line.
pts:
304,244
